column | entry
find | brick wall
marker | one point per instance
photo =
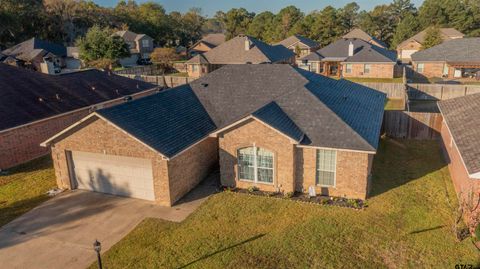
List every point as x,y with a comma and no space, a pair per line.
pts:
376,71
190,167
98,136
255,133
295,168
22,144
433,69
461,181
352,173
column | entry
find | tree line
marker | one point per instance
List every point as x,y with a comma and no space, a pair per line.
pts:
64,21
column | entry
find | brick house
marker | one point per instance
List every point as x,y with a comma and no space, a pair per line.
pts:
358,33
239,50
141,46
415,43
453,59
461,143
35,106
41,56
300,45
352,57
207,43
276,127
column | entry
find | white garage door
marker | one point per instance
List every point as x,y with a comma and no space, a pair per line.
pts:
112,174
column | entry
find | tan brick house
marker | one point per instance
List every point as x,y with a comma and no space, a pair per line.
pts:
352,57
453,59
276,127
238,50
415,43
35,106
300,45
461,144
140,45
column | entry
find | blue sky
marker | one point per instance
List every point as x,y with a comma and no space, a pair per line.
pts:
209,7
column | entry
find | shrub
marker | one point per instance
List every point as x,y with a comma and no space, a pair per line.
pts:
477,232
289,194
252,189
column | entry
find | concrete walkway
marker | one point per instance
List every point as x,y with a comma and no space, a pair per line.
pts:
60,232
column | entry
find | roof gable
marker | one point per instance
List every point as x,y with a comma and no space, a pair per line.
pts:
169,121
25,49
274,116
455,50
295,39
461,116
234,52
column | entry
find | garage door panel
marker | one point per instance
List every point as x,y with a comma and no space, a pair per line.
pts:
118,175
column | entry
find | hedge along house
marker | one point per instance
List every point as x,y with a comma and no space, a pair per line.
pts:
461,143
239,50
272,126
453,59
352,57
35,106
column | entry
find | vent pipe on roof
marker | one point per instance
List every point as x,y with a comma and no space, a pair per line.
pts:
248,44
350,49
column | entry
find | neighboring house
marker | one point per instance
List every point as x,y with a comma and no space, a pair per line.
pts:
276,127
300,45
34,106
207,43
414,43
351,57
453,59
239,50
141,46
360,34
39,55
461,140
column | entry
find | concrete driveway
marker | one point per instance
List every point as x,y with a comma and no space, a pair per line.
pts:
60,232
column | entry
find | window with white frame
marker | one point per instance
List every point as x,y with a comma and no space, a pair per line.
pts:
145,43
420,68
194,68
326,167
348,68
367,68
255,164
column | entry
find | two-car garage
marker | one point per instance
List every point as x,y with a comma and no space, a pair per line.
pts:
112,174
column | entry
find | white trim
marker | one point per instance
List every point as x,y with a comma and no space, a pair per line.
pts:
338,149
77,110
255,167
317,169
474,175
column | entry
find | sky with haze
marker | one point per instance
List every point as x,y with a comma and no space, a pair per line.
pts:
209,7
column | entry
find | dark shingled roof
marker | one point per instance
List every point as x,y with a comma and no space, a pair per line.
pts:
27,96
455,50
360,34
33,46
213,40
168,121
233,52
462,116
311,109
363,52
295,39
274,116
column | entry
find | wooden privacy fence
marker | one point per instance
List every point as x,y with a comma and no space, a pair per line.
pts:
439,91
141,70
412,125
163,81
392,90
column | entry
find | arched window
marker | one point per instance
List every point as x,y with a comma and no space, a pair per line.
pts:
255,164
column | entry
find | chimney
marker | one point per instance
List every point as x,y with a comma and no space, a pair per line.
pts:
350,49
248,44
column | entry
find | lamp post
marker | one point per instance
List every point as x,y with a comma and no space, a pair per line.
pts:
97,246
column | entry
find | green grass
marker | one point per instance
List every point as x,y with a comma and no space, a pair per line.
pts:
182,74
24,187
383,80
394,104
407,225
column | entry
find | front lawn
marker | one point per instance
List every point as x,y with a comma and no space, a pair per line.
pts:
24,187
406,225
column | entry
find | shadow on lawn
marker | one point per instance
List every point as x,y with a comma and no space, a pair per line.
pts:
223,249
398,162
427,229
